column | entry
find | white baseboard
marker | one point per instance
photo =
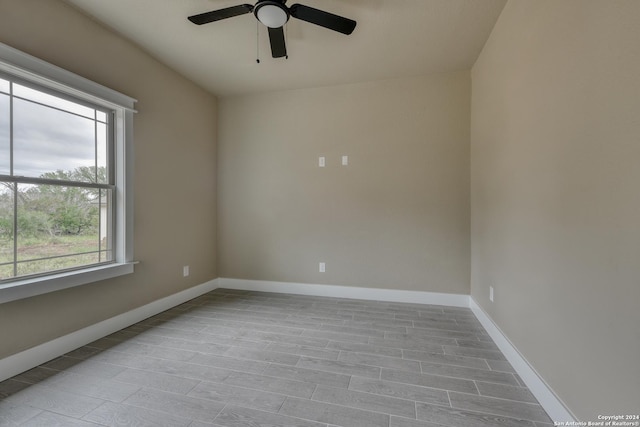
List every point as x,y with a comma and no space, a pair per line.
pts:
551,403
352,292
28,359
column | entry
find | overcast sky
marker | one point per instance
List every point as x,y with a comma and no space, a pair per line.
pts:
46,139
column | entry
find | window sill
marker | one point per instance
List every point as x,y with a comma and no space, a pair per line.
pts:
41,285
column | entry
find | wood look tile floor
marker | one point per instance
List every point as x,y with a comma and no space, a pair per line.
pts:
251,359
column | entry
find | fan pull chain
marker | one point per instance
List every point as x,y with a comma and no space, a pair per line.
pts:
286,40
257,42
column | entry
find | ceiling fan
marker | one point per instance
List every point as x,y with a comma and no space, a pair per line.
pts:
274,14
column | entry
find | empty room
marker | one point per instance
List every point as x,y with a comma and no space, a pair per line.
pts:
333,213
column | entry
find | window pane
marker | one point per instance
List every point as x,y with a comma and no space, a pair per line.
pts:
101,116
47,141
106,225
58,227
6,230
4,86
6,271
101,154
53,264
5,147
53,101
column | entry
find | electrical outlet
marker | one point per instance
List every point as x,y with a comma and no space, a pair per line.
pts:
185,271
345,160
321,162
491,293
322,267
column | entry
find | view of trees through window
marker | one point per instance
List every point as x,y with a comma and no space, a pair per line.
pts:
56,192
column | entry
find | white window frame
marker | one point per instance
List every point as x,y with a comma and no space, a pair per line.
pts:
29,68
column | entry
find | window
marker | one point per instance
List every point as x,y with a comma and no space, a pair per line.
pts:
65,185
56,184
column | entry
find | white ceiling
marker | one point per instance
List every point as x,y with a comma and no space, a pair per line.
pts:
393,38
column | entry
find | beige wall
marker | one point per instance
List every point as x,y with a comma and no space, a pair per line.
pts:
175,155
397,217
555,143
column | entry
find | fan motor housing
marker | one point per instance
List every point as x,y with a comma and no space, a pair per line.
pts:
272,13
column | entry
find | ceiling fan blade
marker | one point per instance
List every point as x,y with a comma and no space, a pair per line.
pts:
323,19
217,15
278,45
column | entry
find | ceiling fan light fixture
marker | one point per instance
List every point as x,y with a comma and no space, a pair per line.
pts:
274,14
271,13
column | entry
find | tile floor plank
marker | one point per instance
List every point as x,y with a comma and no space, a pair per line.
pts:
445,359
336,336
380,361
105,389
13,415
57,401
369,332
399,326
333,414
407,344
366,348
237,416
428,380
89,367
402,391
302,350
121,415
452,417
50,419
275,384
339,367
231,363
430,332
474,352
405,422
201,424
276,326
190,370
486,345
167,342
238,396
424,339
503,391
190,407
366,401
263,356
157,380
491,405
468,373
313,376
